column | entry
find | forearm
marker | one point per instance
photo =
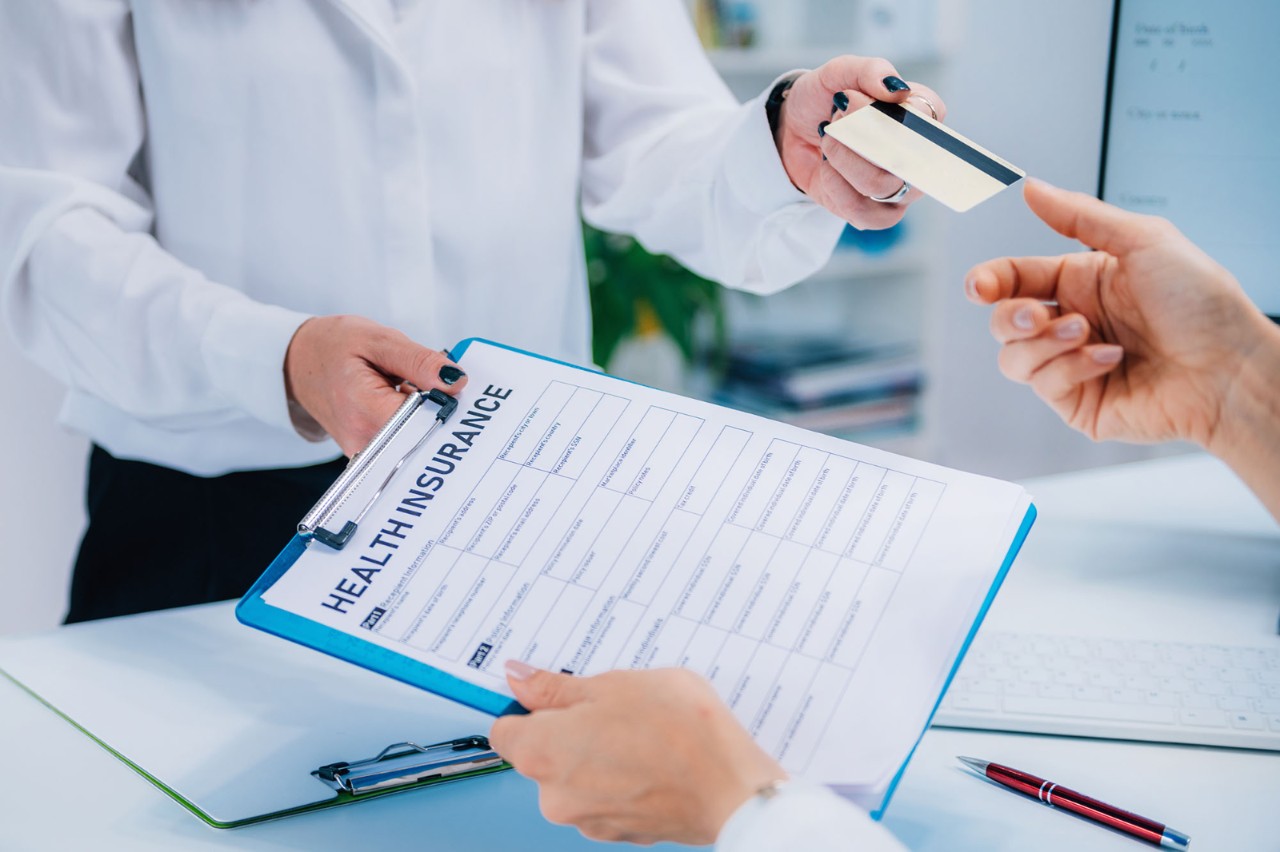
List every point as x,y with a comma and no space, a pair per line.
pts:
670,157
107,311
1248,433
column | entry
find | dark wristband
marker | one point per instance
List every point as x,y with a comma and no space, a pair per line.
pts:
773,105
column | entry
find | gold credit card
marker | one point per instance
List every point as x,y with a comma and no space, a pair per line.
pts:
927,155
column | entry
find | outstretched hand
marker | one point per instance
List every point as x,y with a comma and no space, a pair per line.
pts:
1138,340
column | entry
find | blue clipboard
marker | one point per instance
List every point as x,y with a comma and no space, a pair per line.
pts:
255,612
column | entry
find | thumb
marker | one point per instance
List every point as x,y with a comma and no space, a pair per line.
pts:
398,357
539,689
1082,217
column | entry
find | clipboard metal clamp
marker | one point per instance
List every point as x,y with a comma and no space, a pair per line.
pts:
406,763
316,523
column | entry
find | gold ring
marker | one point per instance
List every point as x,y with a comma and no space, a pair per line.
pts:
928,103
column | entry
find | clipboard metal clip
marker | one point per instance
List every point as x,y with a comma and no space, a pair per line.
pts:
403,764
316,523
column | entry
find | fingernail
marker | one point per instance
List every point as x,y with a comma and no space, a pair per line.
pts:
1024,319
971,287
841,100
1070,330
895,84
518,670
834,111
822,129
450,374
1108,354
824,158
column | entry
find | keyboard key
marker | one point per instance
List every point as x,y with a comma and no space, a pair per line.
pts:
1248,721
986,686
1106,679
1203,718
1046,645
1267,705
1211,655
965,701
1138,713
1247,690
1162,698
1198,700
1017,687
1145,652
1271,676
1275,724
1211,687
1125,695
1175,684
1054,690
1233,702
1090,693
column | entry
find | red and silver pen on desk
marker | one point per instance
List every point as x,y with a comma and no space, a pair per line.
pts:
1077,803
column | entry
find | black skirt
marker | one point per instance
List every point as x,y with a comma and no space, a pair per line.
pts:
159,538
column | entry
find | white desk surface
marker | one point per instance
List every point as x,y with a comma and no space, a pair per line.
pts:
1169,549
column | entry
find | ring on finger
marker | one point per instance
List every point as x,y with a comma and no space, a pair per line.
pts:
895,197
932,111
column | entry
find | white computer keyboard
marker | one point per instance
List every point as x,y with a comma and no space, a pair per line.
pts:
1173,692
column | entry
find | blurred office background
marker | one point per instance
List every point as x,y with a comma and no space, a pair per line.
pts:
881,346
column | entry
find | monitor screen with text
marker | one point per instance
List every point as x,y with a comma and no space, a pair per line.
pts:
1191,128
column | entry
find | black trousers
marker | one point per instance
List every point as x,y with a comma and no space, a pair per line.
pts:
159,538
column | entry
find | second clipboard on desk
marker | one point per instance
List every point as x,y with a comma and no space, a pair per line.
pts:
239,728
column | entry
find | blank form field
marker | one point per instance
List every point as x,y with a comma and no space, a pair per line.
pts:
879,518
710,474
759,490
640,444
564,428
820,500
910,525
590,437
859,622
849,508
669,452
787,500
534,427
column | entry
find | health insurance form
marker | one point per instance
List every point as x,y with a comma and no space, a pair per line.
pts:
583,523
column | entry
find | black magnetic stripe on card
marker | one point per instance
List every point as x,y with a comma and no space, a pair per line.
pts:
947,142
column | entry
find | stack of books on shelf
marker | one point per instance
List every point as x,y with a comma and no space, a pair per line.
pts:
843,388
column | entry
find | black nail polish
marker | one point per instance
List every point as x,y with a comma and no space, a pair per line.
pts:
895,84
450,374
822,129
824,158
834,111
841,100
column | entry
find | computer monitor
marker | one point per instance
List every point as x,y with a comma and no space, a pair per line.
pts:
1191,130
